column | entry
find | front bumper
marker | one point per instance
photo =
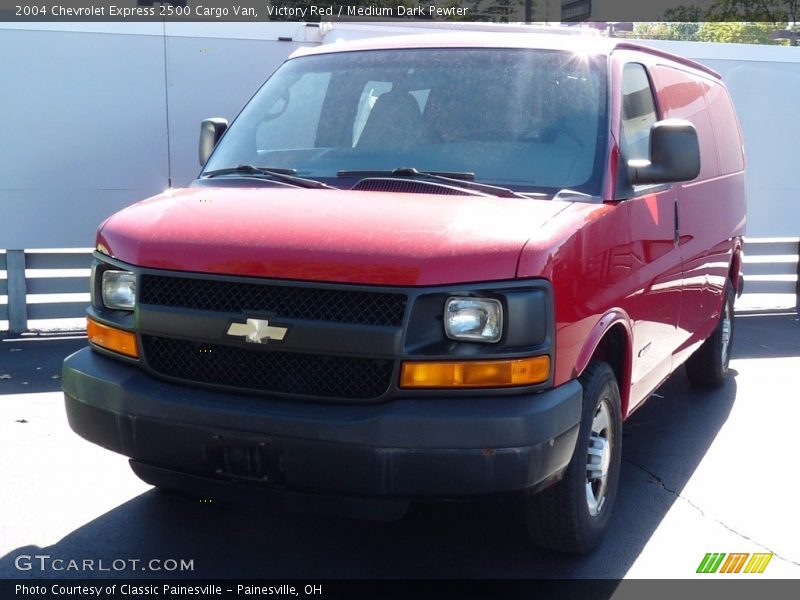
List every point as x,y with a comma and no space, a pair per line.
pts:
404,449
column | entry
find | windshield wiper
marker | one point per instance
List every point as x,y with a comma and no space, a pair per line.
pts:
282,175
409,172
457,179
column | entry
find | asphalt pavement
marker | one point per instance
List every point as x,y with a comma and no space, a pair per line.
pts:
703,471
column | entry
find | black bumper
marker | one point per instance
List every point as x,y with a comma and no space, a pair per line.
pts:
404,449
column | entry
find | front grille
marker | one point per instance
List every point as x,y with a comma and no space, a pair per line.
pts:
268,371
315,304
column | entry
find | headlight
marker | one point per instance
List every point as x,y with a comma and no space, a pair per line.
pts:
119,290
473,319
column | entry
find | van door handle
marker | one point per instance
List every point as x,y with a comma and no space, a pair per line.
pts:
677,234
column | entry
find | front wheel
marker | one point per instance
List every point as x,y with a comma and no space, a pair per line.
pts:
573,514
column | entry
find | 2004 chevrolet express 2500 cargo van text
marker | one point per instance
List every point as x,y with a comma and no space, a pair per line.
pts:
438,266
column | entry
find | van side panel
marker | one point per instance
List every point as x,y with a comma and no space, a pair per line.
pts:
726,128
710,208
681,97
590,264
730,150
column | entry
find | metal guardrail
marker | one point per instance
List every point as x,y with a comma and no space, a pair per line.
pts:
45,290
771,269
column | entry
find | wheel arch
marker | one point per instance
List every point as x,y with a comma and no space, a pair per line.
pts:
610,341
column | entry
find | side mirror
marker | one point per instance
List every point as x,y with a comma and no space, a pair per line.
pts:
210,132
674,154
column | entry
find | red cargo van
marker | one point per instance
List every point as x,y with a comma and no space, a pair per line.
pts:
439,266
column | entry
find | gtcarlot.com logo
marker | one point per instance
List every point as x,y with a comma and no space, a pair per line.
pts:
45,562
737,562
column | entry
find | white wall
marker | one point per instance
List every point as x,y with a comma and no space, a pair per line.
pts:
90,126
83,132
86,114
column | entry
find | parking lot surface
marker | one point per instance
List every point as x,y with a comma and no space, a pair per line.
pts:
703,471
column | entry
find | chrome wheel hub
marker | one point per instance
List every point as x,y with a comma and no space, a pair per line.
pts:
598,458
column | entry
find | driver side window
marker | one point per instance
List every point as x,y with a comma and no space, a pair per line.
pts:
638,112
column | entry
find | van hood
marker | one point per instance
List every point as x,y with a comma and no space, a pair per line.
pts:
328,235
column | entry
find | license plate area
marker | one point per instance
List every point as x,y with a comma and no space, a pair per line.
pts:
252,460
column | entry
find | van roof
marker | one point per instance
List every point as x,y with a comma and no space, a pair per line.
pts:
480,39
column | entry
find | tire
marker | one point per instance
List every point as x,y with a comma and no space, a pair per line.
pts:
708,366
573,515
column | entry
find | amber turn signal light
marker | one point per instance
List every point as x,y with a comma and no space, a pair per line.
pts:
475,374
111,338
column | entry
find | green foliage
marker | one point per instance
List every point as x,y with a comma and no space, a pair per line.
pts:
667,31
771,11
752,11
736,32
683,13
734,21
710,31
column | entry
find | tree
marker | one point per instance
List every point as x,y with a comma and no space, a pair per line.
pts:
767,11
667,31
771,11
736,32
683,13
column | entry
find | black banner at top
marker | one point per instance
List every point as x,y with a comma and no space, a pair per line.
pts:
613,11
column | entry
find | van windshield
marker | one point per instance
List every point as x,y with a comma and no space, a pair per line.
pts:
529,120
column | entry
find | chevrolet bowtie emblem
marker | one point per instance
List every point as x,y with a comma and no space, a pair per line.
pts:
257,331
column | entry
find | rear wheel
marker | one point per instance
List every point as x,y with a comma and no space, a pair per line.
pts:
573,514
708,366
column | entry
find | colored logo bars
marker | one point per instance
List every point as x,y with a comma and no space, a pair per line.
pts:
718,563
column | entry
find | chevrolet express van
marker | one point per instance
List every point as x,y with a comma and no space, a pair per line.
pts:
441,266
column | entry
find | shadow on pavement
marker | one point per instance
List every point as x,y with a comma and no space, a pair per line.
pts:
668,436
32,363
767,336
